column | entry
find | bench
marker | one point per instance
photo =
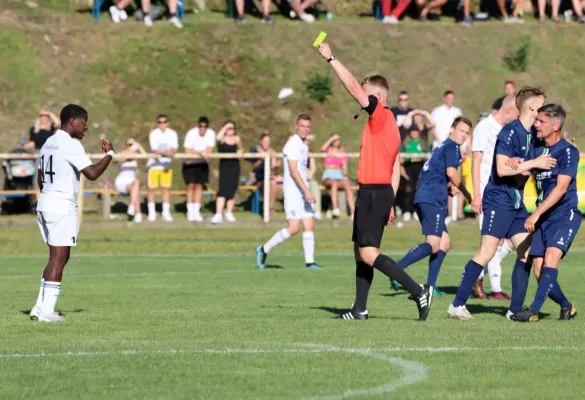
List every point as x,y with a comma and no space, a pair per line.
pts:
96,9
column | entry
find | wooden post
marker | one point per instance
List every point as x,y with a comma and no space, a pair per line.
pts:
342,201
80,199
267,170
106,205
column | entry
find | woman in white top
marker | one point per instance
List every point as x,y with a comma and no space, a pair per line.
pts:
127,180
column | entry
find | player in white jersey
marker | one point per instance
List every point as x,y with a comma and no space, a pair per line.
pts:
485,135
62,160
298,199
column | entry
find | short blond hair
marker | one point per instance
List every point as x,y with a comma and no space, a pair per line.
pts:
527,93
377,81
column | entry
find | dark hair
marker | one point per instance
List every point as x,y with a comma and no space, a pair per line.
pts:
526,93
509,82
303,117
448,92
203,120
554,111
402,93
376,80
162,116
72,111
229,121
263,136
466,121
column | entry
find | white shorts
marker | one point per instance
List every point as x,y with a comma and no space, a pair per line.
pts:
121,183
297,208
58,229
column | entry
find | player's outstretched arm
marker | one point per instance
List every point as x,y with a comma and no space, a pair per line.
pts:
347,79
507,168
94,171
457,181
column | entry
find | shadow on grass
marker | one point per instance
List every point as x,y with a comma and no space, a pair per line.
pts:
272,266
61,312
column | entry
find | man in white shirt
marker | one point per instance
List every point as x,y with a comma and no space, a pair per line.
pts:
62,160
298,198
444,116
198,141
485,135
164,142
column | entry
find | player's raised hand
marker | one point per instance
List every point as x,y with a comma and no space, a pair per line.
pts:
530,224
325,51
392,217
546,162
476,206
106,144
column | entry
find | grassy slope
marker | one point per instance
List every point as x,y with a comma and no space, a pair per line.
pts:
207,295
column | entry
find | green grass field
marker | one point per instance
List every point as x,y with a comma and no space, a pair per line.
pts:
180,312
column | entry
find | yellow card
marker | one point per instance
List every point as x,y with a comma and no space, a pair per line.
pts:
319,39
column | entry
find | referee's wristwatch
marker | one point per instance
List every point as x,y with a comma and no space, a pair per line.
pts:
331,58
111,153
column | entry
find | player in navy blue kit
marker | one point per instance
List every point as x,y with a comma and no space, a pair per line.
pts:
439,176
502,202
556,220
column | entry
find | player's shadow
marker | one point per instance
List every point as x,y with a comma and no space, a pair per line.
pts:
489,309
448,289
394,293
273,266
62,312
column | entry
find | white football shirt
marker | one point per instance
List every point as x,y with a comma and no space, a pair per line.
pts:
484,139
162,141
295,149
194,141
444,117
61,160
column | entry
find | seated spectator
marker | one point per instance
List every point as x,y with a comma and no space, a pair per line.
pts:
265,12
298,8
127,181
577,8
393,17
44,127
438,4
173,20
412,167
265,146
509,90
198,141
423,122
335,174
400,112
228,141
118,10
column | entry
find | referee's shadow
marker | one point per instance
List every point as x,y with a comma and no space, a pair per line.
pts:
61,312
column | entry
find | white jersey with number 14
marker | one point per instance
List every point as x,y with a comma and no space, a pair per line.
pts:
61,160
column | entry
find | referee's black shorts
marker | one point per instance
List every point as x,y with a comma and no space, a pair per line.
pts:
372,210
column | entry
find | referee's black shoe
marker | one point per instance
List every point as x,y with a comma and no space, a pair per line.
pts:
423,301
354,315
568,313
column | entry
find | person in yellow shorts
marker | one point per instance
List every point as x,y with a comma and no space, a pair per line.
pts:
163,142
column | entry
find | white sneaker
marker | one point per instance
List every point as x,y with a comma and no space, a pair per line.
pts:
336,213
197,217
176,22
123,15
138,218
390,19
115,14
448,220
406,216
318,215
151,217
54,317
415,216
131,211
148,21
307,18
167,217
190,217
292,14
217,219
568,15
229,217
35,313
460,312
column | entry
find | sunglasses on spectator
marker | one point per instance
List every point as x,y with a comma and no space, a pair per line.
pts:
164,121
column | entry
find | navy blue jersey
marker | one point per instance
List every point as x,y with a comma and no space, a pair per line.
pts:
432,183
505,192
567,157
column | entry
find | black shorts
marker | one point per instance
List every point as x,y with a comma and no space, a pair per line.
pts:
372,210
196,173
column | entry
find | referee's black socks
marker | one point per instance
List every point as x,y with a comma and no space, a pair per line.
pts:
364,274
391,269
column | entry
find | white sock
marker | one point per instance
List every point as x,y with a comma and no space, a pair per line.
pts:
166,208
196,208
50,295
189,208
275,240
309,247
505,250
131,210
494,268
482,274
40,296
151,209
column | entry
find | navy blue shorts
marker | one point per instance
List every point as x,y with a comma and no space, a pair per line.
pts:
503,223
432,219
558,232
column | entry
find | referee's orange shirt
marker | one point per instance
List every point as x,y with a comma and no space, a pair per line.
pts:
380,145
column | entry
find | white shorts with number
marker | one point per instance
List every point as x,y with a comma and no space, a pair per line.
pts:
58,229
297,207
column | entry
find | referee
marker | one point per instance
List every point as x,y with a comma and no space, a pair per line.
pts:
378,178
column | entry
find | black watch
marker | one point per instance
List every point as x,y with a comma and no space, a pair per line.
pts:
331,58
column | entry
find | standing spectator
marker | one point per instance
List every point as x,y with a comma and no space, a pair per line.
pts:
228,141
412,167
199,141
509,90
298,8
393,17
118,10
43,128
265,146
173,20
127,181
265,12
401,111
165,143
336,172
444,115
423,122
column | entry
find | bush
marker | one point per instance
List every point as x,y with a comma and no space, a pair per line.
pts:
319,87
517,58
